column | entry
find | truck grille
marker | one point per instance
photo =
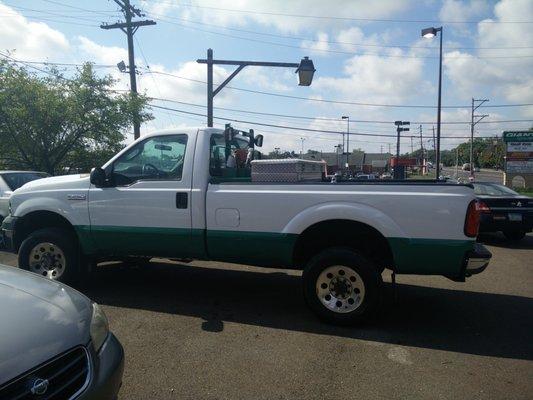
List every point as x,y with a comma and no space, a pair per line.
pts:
63,377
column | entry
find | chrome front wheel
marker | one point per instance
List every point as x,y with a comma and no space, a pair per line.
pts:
48,260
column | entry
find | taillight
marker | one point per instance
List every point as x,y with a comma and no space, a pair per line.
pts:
482,207
472,219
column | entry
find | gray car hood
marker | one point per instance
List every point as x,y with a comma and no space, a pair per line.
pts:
39,319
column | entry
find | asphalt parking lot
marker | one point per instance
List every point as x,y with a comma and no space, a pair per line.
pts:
218,331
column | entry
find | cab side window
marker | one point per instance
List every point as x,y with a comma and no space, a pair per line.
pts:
156,158
228,159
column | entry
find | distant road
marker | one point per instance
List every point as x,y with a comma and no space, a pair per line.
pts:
484,175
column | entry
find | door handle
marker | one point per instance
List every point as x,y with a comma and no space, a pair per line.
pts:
181,200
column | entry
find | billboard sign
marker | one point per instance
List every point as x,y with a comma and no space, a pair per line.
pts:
518,136
519,166
520,147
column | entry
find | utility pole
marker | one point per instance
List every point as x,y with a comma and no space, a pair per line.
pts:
389,148
129,28
381,151
302,153
412,148
337,149
475,120
456,162
434,147
421,149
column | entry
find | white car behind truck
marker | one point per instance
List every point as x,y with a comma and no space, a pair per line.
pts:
188,193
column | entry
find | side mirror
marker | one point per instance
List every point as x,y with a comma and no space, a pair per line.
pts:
258,140
98,177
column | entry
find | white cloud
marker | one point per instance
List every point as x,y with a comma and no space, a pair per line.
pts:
30,40
510,78
354,39
101,54
319,45
457,10
376,79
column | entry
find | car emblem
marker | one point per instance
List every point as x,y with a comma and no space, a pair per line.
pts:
39,386
519,204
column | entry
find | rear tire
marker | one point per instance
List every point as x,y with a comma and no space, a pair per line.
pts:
515,236
341,286
51,253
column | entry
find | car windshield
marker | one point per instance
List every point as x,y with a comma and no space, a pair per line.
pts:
16,179
493,189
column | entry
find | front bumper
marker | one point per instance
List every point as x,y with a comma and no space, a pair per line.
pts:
108,367
476,260
7,233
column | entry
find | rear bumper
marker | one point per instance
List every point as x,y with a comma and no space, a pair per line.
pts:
500,222
476,260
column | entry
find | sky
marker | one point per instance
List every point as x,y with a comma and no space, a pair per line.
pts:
371,63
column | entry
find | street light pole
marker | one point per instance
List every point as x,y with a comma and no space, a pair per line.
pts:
472,124
347,151
305,70
302,153
399,128
429,33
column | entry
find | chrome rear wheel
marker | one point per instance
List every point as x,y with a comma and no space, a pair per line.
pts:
340,289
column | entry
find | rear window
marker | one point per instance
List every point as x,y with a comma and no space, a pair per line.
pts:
493,190
16,179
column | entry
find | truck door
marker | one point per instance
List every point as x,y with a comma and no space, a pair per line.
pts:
145,209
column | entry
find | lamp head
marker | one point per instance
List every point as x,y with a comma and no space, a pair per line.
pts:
429,32
121,66
305,71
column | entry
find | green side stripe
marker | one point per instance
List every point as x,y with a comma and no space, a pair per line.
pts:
429,256
416,256
255,248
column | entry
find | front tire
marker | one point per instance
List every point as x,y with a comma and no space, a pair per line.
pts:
514,236
51,253
341,286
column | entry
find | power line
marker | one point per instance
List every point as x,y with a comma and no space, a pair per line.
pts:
293,127
76,8
300,98
329,41
332,119
335,51
342,18
336,101
47,20
29,64
111,13
52,13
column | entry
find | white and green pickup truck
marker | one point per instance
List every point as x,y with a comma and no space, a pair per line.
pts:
188,194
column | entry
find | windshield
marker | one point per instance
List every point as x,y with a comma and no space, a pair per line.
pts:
493,189
16,179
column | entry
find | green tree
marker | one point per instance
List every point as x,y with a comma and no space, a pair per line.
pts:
54,124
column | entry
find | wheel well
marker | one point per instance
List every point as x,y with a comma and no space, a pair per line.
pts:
39,220
343,233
